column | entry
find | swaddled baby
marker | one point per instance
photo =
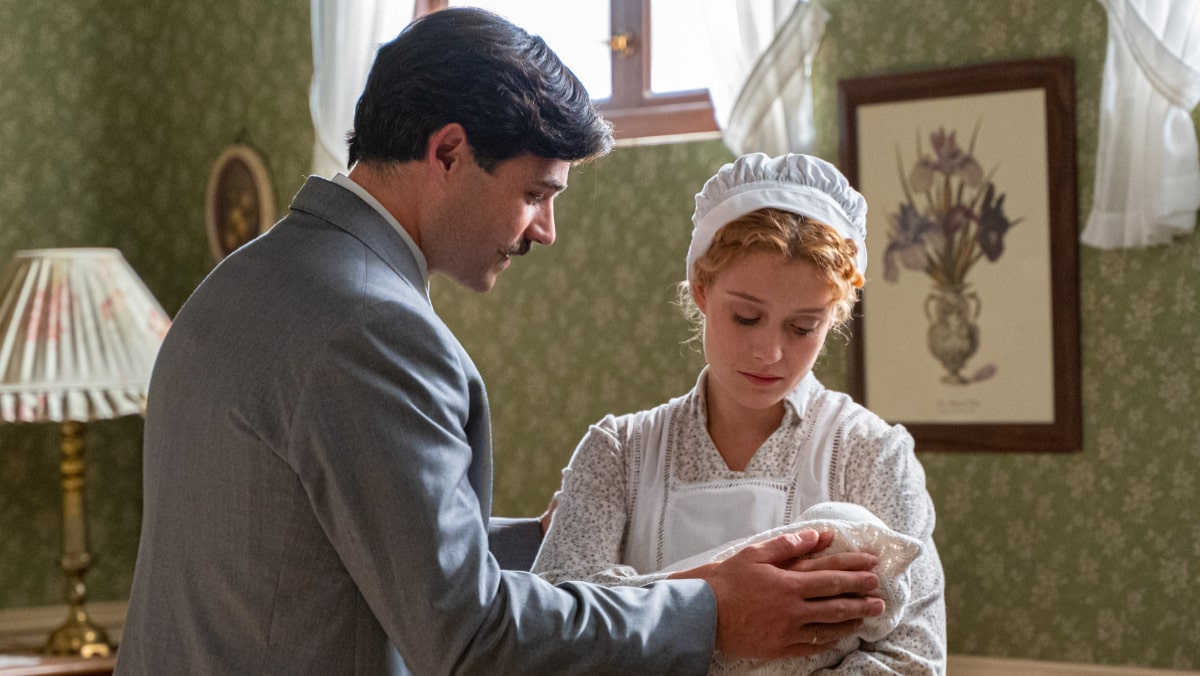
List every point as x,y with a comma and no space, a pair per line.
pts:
855,529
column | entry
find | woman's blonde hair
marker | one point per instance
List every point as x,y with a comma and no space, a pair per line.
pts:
796,238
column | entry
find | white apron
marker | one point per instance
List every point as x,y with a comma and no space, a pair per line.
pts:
671,519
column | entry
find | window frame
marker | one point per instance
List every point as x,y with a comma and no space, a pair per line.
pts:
634,111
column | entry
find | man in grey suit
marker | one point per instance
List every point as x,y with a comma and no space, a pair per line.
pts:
317,448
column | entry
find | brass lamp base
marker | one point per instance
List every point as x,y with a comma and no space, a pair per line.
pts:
78,636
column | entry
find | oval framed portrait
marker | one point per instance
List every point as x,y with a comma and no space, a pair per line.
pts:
239,203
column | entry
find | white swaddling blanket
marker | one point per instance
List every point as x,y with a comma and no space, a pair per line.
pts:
855,529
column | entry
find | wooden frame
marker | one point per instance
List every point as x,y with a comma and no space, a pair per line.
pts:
239,203
633,110
968,332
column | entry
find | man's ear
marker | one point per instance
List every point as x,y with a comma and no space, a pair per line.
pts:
447,147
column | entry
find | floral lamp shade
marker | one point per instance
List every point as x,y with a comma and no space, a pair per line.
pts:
79,332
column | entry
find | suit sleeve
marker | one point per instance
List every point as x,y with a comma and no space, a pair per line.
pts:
514,542
379,441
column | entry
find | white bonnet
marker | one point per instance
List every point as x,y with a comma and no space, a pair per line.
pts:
800,184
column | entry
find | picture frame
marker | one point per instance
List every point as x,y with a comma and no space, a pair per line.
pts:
239,202
968,332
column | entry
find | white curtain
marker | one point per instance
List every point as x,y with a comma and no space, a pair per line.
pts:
1147,166
761,83
345,37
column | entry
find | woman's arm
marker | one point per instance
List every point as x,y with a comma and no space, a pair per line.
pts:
588,526
880,471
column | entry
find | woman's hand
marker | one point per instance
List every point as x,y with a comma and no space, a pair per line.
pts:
544,519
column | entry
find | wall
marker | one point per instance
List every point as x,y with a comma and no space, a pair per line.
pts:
1078,557
111,113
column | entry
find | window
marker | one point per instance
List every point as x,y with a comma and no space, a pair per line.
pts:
646,87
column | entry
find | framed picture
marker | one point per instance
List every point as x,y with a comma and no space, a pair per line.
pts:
968,330
239,203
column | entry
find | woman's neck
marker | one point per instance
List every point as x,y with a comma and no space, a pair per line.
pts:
737,431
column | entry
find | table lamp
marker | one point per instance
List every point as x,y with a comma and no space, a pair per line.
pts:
78,335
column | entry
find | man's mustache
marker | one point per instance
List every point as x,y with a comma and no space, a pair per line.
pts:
520,249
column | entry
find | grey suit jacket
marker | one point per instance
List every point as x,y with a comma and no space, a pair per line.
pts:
318,486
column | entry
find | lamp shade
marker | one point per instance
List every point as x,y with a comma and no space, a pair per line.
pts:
78,335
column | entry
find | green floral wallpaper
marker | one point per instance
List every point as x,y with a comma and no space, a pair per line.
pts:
1078,557
110,113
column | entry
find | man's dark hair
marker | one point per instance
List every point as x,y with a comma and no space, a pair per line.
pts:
507,89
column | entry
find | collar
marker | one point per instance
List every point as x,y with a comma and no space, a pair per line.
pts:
346,182
795,401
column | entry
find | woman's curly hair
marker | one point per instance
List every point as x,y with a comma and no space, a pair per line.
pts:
793,236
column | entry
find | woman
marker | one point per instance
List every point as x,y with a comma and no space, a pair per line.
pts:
776,261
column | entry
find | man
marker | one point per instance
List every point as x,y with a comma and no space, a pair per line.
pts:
317,451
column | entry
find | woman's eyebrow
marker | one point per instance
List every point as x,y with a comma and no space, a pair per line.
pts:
746,296
755,299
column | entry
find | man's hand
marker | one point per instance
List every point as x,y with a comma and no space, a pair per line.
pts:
771,605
